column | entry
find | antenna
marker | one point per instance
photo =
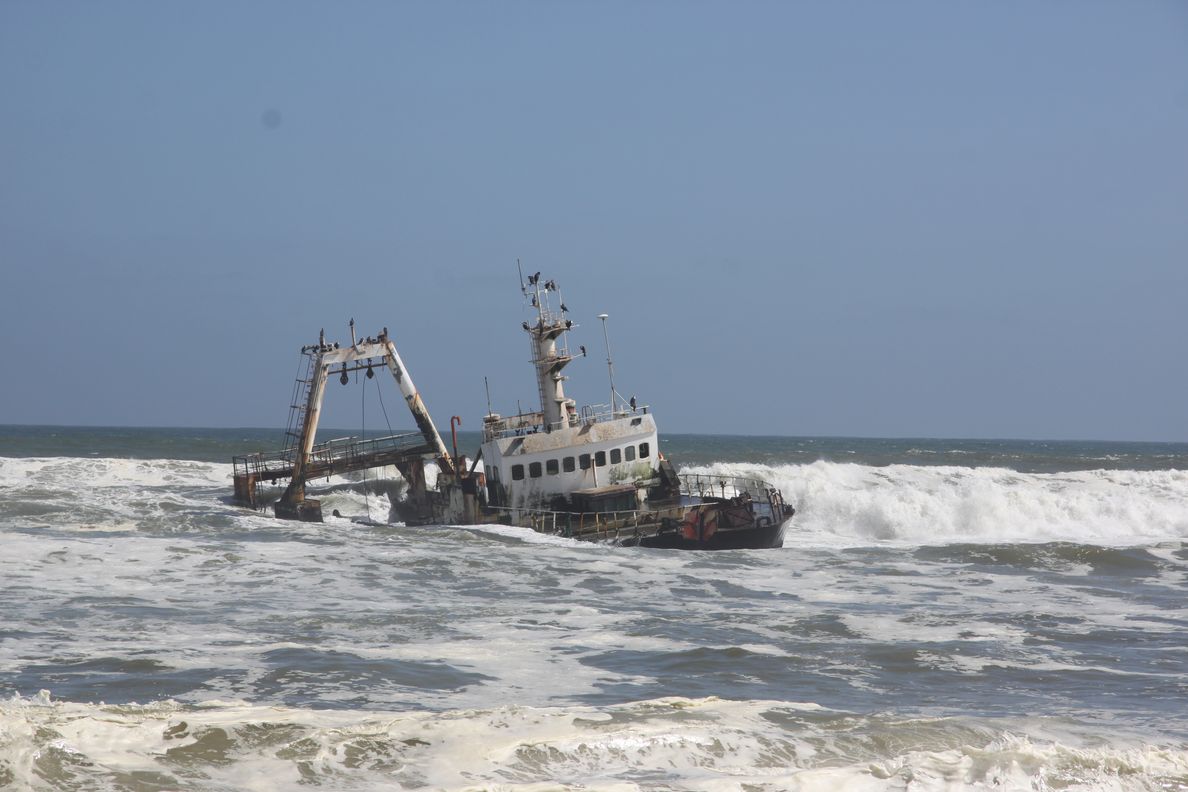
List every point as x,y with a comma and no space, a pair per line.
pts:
610,366
487,385
521,271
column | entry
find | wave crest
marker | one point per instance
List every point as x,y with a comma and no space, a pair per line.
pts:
850,503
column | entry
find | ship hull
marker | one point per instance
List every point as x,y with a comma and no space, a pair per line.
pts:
753,537
704,526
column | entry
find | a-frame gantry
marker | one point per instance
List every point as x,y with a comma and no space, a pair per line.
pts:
304,459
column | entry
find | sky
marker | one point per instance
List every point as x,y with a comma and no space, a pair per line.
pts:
911,219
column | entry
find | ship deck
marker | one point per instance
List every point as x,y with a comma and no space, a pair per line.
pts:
330,458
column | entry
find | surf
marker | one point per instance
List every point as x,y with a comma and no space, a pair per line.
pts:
853,504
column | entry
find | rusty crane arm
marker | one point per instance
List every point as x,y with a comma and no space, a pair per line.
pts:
378,349
417,407
327,360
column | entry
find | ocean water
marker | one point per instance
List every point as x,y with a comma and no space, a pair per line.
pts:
944,615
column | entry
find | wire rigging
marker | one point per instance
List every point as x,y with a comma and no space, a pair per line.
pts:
380,392
362,439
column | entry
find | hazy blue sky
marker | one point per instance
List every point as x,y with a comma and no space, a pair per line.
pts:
844,218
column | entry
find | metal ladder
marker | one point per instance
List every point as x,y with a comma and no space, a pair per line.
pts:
299,405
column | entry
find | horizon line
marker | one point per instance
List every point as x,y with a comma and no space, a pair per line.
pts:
694,434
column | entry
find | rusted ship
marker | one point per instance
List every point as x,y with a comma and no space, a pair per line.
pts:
594,473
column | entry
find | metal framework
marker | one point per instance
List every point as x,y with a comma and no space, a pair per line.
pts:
304,459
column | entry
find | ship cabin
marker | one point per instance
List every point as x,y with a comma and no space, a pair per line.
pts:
559,458
593,462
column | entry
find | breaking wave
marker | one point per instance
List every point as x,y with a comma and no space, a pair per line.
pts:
837,503
851,503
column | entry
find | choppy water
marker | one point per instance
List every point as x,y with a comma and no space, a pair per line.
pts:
944,615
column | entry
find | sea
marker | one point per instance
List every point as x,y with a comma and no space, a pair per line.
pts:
944,615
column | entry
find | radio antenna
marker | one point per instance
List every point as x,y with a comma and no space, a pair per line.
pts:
610,366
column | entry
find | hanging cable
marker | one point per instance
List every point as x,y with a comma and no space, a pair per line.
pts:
380,392
362,439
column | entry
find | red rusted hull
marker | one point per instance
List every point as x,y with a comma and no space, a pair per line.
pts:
751,537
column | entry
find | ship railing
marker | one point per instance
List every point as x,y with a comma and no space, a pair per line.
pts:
264,464
707,485
279,464
586,525
533,423
598,413
354,448
514,426
766,502
718,486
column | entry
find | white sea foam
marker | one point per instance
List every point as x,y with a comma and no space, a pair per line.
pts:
526,535
848,504
240,599
837,503
103,472
676,743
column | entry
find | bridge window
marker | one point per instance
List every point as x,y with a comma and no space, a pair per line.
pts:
600,458
584,461
616,456
517,472
629,453
551,467
534,469
567,464
494,473
643,450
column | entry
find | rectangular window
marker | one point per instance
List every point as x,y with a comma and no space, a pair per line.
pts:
494,473
600,458
643,450
551,467
567,464
517,472
534,469
629,453
584,460
616,456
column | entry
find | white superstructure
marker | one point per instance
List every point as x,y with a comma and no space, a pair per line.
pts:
538,460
